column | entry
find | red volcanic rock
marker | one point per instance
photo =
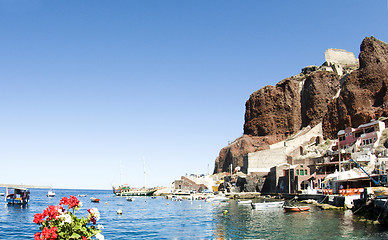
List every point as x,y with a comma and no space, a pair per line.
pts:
364,92
234,152
318,90
274,110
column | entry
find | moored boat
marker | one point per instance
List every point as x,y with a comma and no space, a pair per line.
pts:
217,199
17,196
125,190
244,201
82,195
129,199
296,208
93,199
267,205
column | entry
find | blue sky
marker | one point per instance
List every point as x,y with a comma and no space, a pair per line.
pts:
87,84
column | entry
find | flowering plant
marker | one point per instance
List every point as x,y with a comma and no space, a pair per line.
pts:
57,223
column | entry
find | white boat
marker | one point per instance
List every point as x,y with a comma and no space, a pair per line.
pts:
217,199
267,205
50,193
129,199
1,194
244,201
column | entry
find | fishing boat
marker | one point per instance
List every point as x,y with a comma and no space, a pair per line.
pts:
296,208
125,190
50,194
17,195
267,205
93,199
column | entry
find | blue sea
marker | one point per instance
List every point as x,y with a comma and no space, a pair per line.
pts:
159,218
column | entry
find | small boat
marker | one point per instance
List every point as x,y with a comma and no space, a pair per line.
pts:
267,205
93,199
296,208
17,196
82,195
50,194
1,194
244,201
129,199
217,199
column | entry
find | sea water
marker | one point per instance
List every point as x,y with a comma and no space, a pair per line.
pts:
159,218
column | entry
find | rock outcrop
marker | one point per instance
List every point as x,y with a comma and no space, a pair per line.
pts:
363,95
275,113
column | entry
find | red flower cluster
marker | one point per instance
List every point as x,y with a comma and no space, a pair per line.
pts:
51,212
71,201
47,233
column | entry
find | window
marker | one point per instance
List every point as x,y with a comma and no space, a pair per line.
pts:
297,171
350,134
374,139
301,172
305,172
346,134
358,134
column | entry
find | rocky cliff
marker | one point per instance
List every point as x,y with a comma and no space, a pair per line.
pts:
316,95
363,94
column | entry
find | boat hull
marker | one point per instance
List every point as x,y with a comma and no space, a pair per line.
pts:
267,205
16,201
92,199
133,192
296,209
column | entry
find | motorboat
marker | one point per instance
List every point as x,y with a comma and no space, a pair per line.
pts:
50,194
244,201
217,199
82,195
296,208
129,199
93,199
267,205
17,196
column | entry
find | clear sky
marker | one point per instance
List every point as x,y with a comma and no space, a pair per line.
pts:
87,84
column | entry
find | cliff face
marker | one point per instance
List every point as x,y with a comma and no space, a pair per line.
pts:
363,95
274,113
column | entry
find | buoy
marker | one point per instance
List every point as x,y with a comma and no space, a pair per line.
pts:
106,203
119,212
225,212
168,203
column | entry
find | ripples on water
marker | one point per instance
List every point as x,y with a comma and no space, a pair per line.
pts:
148,218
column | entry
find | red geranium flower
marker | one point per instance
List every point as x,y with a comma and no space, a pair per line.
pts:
50,233
52,212
39,218
71,202
37,236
